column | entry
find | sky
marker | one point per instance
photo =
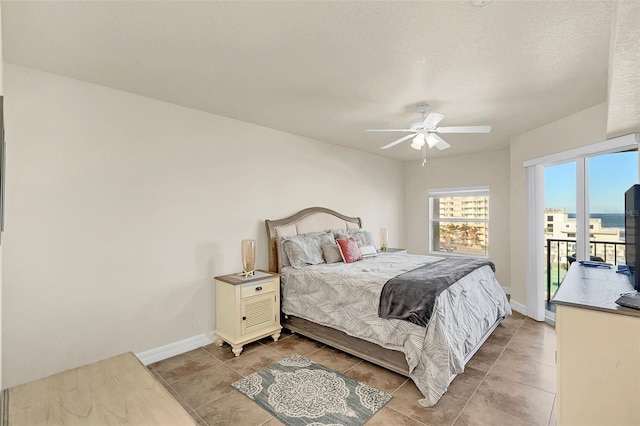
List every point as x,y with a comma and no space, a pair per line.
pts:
610,175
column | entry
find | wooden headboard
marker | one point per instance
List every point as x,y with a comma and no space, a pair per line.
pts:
313,219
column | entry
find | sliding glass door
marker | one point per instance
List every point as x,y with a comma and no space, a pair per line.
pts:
593,178
584,212
559,223
608,177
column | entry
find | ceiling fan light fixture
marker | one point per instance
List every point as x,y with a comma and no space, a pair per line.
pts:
431,140
418,142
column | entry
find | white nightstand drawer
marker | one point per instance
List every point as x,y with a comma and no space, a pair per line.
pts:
254,289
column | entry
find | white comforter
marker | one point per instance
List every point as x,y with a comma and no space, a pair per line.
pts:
346,297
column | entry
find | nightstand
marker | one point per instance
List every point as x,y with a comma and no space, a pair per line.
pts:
247,309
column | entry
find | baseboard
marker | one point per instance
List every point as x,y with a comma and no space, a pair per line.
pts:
173,349
507,290
518,307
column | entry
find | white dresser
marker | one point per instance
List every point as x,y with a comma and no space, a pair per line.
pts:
598,350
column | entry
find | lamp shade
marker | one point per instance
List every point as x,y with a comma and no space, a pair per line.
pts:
248,257
418,141
384,239
431,140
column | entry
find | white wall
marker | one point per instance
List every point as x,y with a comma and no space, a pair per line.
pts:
488,168
584,128
121,209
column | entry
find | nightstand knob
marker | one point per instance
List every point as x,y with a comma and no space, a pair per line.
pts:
244,318
258,288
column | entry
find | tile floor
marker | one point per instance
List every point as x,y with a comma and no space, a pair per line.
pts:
511,380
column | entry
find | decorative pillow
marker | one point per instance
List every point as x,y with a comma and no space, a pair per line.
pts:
331,253
283,259
306,249
349,250
368,251
364,238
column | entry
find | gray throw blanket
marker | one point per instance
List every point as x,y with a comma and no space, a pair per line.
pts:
411,296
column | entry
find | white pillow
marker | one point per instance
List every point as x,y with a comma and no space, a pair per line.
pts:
368,251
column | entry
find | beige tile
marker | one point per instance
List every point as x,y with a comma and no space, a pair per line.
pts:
445,411
334,359
514,320
284,334
253,361
405,401
233,409
499,339
521,401
224,353
387,416
177,367
486,356
506,331
295,344
511,366
377,377
517,315
536,332
206,386
529,351
475,414
465,384
519,356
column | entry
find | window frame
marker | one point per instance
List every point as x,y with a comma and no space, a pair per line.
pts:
473,191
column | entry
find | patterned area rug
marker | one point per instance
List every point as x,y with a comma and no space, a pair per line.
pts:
298,391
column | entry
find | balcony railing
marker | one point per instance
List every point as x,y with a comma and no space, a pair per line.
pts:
561,254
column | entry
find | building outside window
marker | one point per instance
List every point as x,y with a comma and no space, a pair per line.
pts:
459,221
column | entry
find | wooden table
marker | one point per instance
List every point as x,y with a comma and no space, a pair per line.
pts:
115,391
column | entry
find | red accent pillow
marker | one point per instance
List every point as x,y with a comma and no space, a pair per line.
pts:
349,250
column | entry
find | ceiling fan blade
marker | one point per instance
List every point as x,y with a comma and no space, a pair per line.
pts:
389,130
397,141
463,129
442,144
432,120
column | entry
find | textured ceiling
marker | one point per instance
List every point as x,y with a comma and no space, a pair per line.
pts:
329,70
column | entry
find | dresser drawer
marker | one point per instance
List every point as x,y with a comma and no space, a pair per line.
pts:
254,289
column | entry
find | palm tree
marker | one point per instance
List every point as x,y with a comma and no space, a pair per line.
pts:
464,233
474,234
453,231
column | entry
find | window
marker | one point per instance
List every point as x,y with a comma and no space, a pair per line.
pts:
550,227
549,218
459,221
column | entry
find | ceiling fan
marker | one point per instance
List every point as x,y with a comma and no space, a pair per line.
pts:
425,131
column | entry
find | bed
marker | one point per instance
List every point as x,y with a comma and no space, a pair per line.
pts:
337,304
